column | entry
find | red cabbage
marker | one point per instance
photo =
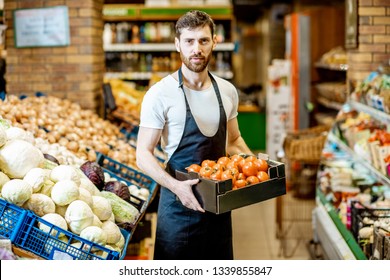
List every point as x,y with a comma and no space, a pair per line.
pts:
119,188
94,172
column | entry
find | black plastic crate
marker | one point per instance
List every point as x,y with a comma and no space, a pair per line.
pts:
359,212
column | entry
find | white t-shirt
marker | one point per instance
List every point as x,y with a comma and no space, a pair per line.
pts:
163,107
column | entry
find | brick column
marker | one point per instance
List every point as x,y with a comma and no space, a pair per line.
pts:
74,72
373,39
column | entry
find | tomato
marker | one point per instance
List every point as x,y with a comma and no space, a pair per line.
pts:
261,165
229,174
241,176
231,164
249,169
223,160
205,171
193,168
240,184
250,158
263,176
216,175
218,166
252,180
226,175
240,164
236,158
208,162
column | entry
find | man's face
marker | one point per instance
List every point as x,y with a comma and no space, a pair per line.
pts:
195,47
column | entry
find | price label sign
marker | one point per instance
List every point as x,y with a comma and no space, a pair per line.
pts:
43,27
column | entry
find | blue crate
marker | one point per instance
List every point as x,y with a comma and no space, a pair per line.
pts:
11,219
130,175
48,244
131,137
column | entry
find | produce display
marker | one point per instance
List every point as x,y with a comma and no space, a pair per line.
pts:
374,91
75,198
128,100
354,176
65,125
242,170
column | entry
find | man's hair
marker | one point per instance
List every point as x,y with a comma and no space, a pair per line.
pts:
194,19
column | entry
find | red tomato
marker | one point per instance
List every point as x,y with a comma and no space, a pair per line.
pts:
263,176
223,160
261,165
252,180
216,175
249,169
241,176
226,175
193,168
205,171
208,162
231,164
218,166
229,174
236,158
240,164
250,158
240,184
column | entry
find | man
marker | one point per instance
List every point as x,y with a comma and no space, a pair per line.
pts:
195,115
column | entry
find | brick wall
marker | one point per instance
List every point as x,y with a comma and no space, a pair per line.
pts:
74,72
373,39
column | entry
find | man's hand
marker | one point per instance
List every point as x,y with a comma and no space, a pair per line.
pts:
185,194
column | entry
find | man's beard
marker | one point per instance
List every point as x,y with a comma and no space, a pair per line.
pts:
195,67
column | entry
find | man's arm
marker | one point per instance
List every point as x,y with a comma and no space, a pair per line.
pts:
147,162
235,142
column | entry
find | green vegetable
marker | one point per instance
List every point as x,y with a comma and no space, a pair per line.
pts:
123,211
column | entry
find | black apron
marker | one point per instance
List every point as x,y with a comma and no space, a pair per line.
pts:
182,233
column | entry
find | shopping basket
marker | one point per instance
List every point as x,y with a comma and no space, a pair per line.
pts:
306,145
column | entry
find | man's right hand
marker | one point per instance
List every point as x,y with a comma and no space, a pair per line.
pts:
186,195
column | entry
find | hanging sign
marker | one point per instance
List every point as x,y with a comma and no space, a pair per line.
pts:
42,27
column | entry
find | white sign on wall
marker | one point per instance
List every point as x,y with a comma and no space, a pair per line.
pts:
42,27
278,105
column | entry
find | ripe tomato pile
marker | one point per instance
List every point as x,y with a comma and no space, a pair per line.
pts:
243,171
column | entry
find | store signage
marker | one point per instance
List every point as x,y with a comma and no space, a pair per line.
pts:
43,27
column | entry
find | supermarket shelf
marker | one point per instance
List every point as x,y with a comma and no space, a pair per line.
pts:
335,67
376,114
330,238
157,47
383,179
117,12
329,103
148,75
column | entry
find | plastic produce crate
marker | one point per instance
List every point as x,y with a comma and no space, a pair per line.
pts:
11,219
57,242
130,175
359,212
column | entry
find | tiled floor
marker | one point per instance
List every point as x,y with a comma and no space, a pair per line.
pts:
255,230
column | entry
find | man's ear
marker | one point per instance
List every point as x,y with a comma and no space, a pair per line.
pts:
177,44
214,41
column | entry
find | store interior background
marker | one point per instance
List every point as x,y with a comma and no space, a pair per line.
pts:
260,37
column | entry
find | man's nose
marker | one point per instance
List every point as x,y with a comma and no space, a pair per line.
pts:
197,49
